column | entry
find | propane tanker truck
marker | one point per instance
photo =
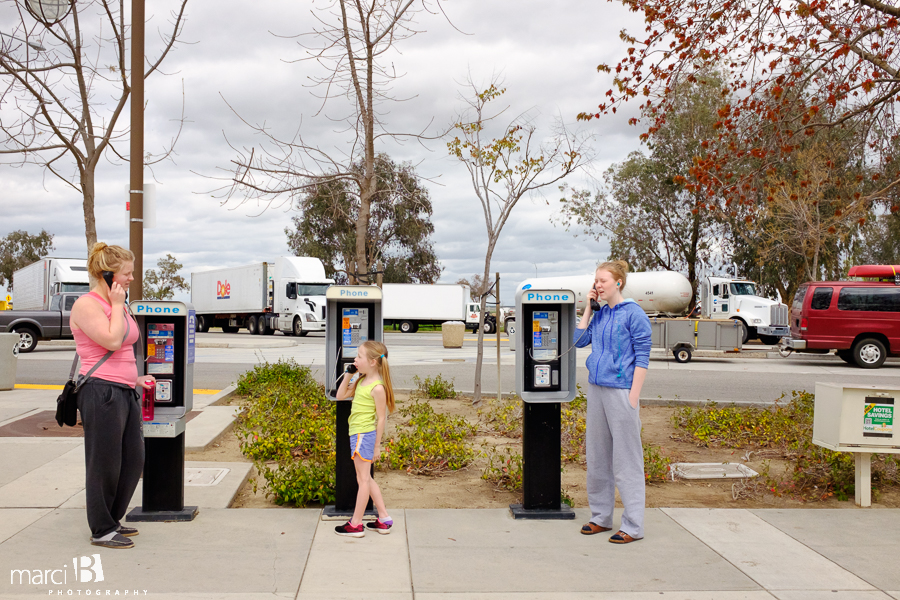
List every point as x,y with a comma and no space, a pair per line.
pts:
668,294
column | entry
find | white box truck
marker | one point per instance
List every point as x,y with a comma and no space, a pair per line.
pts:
408,305
34,285
287,295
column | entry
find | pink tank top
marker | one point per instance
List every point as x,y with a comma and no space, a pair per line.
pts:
118,368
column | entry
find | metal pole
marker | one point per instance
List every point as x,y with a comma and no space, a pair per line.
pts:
136,185
497,295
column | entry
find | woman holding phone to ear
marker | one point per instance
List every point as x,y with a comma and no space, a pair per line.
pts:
108,400
619,335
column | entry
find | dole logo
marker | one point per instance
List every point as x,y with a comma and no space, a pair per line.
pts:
223,290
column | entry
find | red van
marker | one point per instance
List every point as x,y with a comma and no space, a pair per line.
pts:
860,320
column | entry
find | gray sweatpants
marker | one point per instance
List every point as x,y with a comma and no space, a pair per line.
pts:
615,458
113,451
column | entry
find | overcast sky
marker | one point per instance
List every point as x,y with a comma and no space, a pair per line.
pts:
546,53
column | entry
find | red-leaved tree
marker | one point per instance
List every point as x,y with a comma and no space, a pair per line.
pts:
794,70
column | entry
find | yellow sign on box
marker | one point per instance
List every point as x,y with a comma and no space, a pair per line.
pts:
535,326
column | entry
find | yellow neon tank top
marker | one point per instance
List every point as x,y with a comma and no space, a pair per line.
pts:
363,417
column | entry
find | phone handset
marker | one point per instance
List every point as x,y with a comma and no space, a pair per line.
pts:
108,278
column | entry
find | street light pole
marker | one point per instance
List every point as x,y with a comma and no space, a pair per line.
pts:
136,185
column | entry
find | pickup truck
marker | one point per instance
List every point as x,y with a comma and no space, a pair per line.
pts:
34,325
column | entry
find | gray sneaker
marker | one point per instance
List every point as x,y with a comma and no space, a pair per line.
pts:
117,541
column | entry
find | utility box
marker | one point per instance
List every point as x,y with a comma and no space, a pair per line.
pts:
861,419
8,358
856,418
453,333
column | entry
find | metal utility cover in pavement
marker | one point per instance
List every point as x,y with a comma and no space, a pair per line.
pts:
712,471
203,476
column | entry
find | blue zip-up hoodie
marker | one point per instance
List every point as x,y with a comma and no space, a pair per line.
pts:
620,341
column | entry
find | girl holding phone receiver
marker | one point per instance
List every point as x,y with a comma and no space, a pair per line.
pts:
619,335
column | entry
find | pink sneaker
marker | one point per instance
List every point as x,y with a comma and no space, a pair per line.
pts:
382,528
350,530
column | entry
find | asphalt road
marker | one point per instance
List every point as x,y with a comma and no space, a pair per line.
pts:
721,379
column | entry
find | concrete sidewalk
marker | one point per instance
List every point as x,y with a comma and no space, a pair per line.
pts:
688,554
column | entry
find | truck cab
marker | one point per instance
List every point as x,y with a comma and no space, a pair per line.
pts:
298,294
736,299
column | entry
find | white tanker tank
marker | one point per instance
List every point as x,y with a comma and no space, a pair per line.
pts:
657,292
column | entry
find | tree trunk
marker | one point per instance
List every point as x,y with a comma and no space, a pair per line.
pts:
479,358
90,222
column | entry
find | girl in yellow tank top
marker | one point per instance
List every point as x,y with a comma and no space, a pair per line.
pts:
373,399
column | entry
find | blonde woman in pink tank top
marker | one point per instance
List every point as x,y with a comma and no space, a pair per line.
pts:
109,401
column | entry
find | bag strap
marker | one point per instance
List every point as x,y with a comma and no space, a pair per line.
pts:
101,361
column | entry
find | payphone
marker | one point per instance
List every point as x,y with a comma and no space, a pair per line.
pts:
545,377
167,334
353,316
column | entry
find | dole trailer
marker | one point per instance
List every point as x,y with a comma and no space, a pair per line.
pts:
287,295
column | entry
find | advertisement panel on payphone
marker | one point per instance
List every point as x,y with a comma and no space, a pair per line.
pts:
543,350
354,330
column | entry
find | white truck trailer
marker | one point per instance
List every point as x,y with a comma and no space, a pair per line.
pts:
36,284
408,305
287,295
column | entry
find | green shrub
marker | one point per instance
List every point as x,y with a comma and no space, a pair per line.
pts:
428,442
814,473
656,466
573,426
437,388
503,416
287,428
504,469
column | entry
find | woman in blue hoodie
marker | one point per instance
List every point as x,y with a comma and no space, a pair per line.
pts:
619,335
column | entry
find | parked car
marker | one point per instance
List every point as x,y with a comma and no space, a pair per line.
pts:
858,320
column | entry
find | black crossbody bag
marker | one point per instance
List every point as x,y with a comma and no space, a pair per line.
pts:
67,401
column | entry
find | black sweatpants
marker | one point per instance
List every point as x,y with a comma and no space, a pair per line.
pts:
113,451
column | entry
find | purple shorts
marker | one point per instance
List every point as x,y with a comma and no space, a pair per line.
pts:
364,445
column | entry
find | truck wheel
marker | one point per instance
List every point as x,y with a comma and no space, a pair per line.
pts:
769,340
28,338
408,327
253,325
846,356
202,324
869,353
230,329
745,331
263,326
682,355
489,327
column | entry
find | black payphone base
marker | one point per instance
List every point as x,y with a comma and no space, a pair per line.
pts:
331,513
563,513
138,515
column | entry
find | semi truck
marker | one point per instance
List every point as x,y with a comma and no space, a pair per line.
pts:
668,294
287,295
409,305
36,284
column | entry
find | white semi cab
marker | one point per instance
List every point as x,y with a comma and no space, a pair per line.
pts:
36,284
287,295
668,293
408,305
726,298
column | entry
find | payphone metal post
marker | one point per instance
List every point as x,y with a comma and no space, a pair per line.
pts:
168,333
353,316
545,377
